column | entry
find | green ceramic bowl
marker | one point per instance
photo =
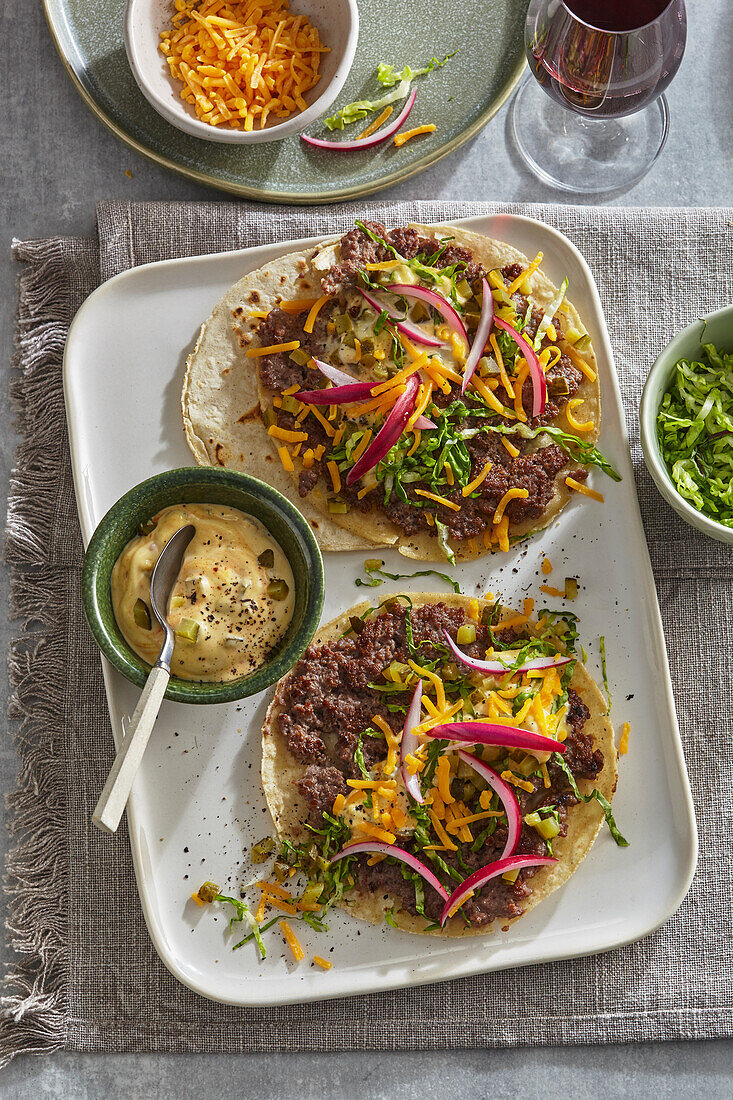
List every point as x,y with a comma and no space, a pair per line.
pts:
205,486
718,330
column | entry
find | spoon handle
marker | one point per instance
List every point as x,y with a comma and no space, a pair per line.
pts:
113,798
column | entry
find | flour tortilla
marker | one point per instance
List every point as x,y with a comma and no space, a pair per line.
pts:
221,396
289,810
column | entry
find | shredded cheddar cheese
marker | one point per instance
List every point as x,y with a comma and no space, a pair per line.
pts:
407,135
297,305
580,488
285,458
514,287
438,499
473,485
585,426
335,476
286,435
371,129
546,566
240,62
293,942
581,363
509,495
623,745
323,963
254,353
313,313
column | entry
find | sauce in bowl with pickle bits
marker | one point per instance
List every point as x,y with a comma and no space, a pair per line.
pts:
232,601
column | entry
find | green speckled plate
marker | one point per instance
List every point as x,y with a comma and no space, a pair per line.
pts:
460,98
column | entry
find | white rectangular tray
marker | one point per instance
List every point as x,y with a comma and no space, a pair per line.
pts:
197,806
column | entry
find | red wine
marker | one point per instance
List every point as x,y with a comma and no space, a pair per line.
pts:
617,15
605,70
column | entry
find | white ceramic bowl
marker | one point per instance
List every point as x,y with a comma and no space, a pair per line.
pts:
715,328
338,26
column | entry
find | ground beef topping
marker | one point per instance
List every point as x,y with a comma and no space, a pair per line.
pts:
328,702
539,466
358,249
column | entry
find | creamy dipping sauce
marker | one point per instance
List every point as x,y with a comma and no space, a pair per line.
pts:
230,605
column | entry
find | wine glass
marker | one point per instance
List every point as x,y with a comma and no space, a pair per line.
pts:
594,119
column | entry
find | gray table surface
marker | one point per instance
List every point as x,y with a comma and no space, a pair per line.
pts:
57,161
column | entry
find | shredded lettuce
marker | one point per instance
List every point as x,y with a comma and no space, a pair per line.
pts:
376,575
400,83
549,314
695,432
445,546
243,913
600,799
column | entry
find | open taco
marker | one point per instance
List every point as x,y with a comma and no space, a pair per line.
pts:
395,772
404,454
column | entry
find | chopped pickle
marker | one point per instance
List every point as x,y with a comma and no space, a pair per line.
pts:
300,357
262,850
472,320
338,507
380,371
280,870
356,624
290,404
510,876
420,311
269,417
208,891
571,588
500,292
487,366
188,629
141,615
373,563
177,601
468,791
368,361
342,323
548,828
464,288
277,590
583,342
466,634
348,341
267,558
559,387
397,670
367,346
312,893
532,819
527,766
147,528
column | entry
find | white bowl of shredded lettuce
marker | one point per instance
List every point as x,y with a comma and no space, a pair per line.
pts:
686,418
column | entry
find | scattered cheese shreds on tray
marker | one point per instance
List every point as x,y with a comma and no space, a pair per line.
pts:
241,62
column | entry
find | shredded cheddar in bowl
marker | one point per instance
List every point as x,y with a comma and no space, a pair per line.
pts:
242,61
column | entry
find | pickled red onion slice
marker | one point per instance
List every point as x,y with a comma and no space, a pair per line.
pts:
485,874
496,668
507,798
536,373
373,139
410,742
405,327
482,335
487,733
437,301
378,847
390,431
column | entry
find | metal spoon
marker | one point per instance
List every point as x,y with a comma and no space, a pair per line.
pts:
113,798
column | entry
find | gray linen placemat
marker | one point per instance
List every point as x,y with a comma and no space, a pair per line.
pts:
87,976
